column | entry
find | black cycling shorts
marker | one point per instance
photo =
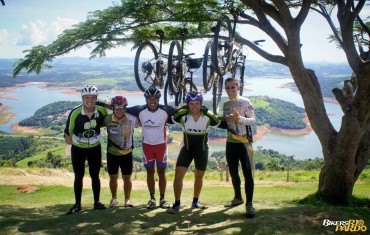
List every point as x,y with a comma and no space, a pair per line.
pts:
186,157
115,162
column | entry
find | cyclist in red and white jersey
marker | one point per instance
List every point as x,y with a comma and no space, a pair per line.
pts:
153,118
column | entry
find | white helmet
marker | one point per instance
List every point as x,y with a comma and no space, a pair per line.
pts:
89,90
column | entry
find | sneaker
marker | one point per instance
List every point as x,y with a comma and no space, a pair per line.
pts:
197,205
174,209
99,206
151,204
74,209
113,202
164,204
234,202
251,212
129,203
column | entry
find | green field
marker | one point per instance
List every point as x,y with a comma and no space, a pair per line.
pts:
278,212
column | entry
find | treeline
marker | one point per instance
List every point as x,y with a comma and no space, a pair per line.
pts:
14,149
275,112
53,115
278,113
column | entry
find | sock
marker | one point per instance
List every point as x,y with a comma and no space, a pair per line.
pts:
162,196
152,196
177,203
195,200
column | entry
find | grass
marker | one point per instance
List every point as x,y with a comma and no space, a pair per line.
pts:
278,211
55,151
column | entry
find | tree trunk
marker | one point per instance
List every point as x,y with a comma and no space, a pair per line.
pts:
346,152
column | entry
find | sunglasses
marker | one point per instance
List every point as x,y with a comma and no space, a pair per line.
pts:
230,87
119,108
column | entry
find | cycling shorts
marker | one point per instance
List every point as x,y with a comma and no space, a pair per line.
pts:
186,157
114,162
154,153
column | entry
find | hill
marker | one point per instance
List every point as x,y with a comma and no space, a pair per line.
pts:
118,73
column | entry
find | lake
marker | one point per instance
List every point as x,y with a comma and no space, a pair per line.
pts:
32,97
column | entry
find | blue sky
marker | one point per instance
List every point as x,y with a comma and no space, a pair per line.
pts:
24,24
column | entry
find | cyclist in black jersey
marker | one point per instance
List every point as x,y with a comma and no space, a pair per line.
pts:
83,133
195,121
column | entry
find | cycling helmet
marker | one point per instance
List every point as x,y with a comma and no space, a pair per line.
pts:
89,90
119,101
152,92
193,95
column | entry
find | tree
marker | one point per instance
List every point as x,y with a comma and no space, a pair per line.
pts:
346,152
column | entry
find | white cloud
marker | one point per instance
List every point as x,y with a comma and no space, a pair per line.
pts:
4,34
39,32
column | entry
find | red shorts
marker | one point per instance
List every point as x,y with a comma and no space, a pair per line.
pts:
154,153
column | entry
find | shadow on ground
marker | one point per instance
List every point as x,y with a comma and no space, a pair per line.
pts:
292,219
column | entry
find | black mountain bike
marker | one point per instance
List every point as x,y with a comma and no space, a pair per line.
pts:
150,67
227,54
180,72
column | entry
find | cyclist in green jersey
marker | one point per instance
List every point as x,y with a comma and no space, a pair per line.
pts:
83,133
195,121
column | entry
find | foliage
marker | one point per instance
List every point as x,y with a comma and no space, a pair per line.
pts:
51,115
15,148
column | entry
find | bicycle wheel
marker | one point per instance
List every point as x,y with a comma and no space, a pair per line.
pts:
174,66
238,74
146,66
217,93
209,74
171,98
222,45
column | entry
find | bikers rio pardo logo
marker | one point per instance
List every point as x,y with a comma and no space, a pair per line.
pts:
347,226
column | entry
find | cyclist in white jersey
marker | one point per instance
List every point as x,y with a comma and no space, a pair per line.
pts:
153,119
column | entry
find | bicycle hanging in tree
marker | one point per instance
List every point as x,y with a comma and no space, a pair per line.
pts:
179,65
225,57
211,79
149,64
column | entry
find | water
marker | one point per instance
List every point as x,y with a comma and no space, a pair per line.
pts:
32,97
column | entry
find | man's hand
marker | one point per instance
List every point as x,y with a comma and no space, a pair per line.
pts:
67,139
204,109
234,117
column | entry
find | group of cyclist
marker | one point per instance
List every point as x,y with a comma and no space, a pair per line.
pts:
83,133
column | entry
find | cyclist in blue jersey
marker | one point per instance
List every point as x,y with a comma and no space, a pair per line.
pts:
238,116
153,118
195,121
83,133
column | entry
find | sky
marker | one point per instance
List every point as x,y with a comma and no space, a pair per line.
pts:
24,24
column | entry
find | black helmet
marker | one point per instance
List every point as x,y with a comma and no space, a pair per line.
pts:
152,92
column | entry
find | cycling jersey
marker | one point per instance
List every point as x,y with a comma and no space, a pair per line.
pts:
195,132
85,131
153,124
120,135
241,131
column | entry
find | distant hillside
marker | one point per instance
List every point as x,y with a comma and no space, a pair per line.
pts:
118,73
269,111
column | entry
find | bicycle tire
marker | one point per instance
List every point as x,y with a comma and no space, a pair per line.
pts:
238,75
209,74
174,66
222,45
146,67
216,95
170,97
186,89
